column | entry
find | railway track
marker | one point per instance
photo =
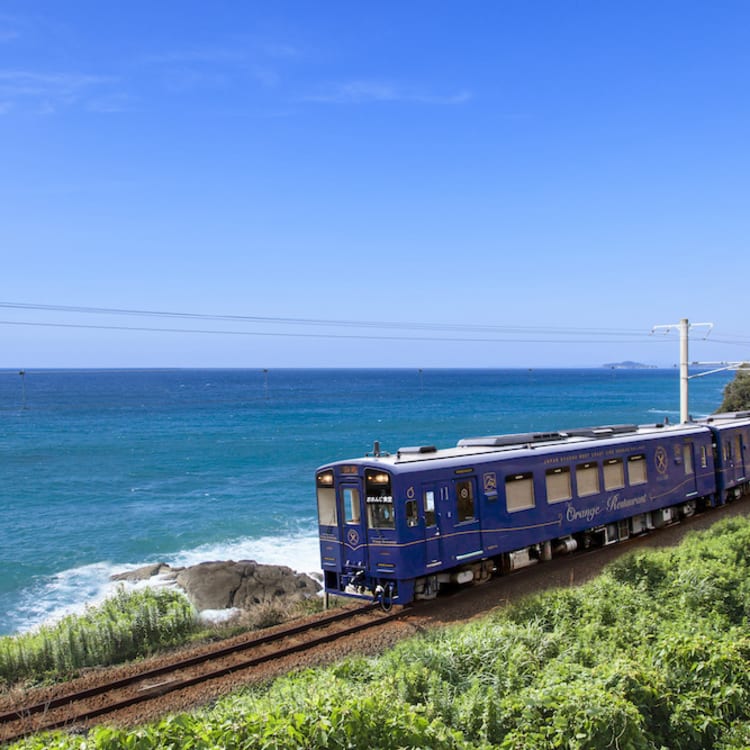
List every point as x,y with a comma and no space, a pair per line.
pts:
85,707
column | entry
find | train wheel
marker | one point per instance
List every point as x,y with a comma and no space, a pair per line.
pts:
483,572
426,588
688,509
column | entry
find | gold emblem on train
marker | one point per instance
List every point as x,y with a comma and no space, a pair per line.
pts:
660,457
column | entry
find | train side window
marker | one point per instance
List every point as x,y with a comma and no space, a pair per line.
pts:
519,491
465,495
587,479
558,484
351,505
614,474
429,507
637,469
704,457
412,516
738,447
687,457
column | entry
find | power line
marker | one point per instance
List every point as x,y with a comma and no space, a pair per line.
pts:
319,322
731,341
461,339
504,333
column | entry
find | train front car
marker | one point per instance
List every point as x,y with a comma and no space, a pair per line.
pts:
362,527
400,527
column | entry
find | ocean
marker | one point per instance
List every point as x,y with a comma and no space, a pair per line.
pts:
107,470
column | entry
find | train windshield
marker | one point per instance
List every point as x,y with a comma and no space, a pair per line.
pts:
326,499
379,500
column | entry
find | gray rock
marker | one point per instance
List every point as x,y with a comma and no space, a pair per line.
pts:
229,584
141,574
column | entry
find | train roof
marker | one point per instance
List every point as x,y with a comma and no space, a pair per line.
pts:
520,444
724,418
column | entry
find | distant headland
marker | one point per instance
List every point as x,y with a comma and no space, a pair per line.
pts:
628,365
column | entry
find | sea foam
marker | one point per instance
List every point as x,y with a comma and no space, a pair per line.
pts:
72,591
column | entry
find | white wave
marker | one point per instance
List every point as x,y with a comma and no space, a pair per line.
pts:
218,615
299,552
66,593
72,591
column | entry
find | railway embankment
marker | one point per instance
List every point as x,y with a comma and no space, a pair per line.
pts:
651,652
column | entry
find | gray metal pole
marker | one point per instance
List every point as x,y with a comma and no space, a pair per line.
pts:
684,327
684,379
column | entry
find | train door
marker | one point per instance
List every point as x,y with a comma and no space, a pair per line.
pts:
742,457
688,463
433,546
465,535
353,534
732,450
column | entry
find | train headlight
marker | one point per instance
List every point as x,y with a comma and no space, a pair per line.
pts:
325,479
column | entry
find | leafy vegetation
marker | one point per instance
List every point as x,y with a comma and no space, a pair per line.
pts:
737,392
124,627
128,626
655,653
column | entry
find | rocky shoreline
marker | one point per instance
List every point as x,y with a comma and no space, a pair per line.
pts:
229,585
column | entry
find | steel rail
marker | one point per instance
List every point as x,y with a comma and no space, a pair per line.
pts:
24,712
21,713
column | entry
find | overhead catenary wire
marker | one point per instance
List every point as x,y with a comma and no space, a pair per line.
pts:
159,329
306,321
248,325
512,330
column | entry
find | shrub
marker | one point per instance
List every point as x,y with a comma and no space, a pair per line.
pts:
737,393
124,627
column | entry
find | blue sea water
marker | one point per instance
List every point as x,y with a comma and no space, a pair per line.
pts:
103,471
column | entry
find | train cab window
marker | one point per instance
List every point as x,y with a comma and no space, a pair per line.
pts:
558,484
587,479
465,500
687,457
614,474
379,500
351,504
519,491
326,499
380,515
429,507
412,516
637,469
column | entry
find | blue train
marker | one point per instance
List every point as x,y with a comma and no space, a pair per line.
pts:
399,527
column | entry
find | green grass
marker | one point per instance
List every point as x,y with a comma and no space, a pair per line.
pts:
654,653
125,627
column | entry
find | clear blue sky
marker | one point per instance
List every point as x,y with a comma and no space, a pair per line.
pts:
458,169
